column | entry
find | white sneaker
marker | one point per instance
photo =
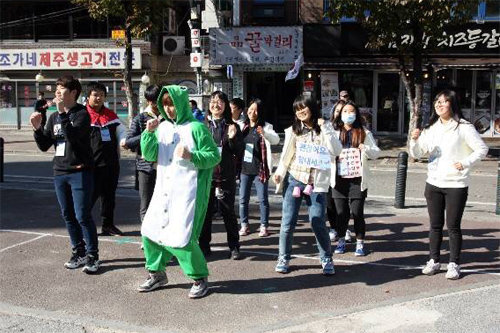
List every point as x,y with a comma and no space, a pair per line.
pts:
348,236
333,235
199,288
431,267
453,272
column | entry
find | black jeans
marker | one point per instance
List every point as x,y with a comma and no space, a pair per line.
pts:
344,214
451,200
147,181
105,184
226,206
331,212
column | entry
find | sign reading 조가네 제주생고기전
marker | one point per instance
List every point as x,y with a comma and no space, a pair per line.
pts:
78,58
312,156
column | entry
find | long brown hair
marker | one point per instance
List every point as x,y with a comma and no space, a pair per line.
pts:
357,130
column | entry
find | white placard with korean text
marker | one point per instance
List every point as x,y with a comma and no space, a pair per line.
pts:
349,163
29,59
312,156
255,45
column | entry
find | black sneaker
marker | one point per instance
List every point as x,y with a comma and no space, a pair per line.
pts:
92,264
111,231
235,254
75,261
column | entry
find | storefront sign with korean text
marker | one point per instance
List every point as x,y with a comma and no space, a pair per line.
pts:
255,45
312,156
29,59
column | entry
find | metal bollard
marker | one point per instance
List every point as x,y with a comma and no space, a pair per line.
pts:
399,198
498,190
1,159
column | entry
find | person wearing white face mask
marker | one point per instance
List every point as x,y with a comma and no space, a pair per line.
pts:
350,173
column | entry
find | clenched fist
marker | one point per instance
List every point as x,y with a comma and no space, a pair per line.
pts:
231,131
415,134
182,152
36,120
152,125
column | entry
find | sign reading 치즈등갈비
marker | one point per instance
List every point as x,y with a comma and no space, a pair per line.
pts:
80,58
255,45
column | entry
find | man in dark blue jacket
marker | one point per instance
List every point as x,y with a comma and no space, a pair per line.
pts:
146,171
68,131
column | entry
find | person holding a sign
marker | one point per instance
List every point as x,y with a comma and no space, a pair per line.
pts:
304,173
256,165
331,213
350,174
453,145
228,138
68,131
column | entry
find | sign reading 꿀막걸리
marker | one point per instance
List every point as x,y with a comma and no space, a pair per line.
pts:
30,59
312,156
255,45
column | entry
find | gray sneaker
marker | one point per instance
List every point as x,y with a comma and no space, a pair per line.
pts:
453,272
154,281
75,261
431,267
199,288
92,264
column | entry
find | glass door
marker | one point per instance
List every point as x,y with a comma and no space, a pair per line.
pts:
387,107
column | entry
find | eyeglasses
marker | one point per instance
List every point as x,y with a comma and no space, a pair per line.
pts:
439,102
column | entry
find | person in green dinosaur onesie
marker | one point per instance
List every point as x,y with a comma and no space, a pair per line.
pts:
185,154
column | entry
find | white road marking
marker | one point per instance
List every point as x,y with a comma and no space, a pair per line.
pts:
264,253
22,243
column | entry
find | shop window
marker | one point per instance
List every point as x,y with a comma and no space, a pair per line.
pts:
388,102
496,116
489,10
464,91
482,113
359,84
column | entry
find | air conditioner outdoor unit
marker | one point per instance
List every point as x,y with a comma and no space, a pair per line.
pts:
174,45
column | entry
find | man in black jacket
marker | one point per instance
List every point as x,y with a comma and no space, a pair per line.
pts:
106,135
68,130
146,171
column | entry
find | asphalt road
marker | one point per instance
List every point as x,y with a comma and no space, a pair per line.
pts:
382,292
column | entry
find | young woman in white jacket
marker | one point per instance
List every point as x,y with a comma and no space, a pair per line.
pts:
453,145
256,165
350,174
304,173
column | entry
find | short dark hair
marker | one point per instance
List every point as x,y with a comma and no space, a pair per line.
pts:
152,92
240,104
95,86
193,102
41,93
69,82
227,110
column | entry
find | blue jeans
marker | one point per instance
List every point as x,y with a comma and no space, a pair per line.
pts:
262,193
74,193
316,203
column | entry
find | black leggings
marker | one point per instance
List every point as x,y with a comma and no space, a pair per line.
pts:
331,212
451,200
344,214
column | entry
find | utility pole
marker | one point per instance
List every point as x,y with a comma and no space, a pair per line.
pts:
196,54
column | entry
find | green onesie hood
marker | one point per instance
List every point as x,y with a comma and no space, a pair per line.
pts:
180,97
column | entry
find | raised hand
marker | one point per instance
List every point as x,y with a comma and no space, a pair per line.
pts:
36,120
152,125
231,131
